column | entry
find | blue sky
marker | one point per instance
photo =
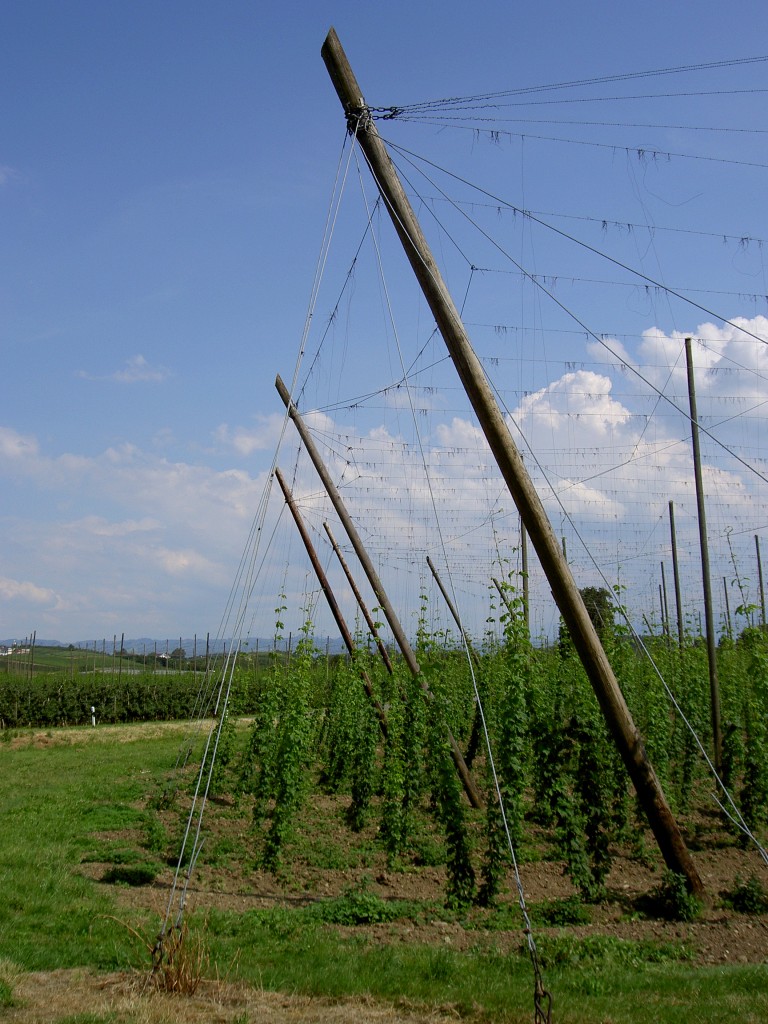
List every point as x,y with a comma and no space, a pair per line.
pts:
165,174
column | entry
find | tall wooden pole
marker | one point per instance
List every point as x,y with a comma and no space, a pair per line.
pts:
665,601
709,618
526,587
760,581
676,575
569,600
473,793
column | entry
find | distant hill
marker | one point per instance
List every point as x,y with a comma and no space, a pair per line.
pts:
138,645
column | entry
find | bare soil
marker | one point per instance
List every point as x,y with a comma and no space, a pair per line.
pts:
719,935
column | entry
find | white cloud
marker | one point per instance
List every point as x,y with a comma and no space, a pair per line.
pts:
245,441
730,365
129,537
15,446
98,526
16,590
186,563
124,535
583,397
136,371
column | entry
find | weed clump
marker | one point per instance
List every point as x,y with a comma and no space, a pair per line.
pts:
130,874
355,907
672,900
747,897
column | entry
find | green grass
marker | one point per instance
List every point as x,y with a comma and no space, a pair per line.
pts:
59,803
52,800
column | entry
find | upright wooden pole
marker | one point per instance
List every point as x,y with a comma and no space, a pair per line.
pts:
526,587
676,575
360,123
760,581
666,600
709,618
473,793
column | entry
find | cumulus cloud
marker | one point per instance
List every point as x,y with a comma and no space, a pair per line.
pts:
730,365
148,534
583,397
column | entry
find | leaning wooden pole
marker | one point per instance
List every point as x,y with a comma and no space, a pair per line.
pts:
470,788
329,595
360,124
706,581
383,652
453,610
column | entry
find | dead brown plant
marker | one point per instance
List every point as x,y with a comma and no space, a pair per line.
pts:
179,958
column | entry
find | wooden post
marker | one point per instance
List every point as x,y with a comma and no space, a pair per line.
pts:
383,652
709,618
760,581
664,602
526,587
120,664
329,595
473,743
446,597
473,793
676,575
569,600
728,623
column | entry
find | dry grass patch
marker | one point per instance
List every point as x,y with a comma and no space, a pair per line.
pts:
60,996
